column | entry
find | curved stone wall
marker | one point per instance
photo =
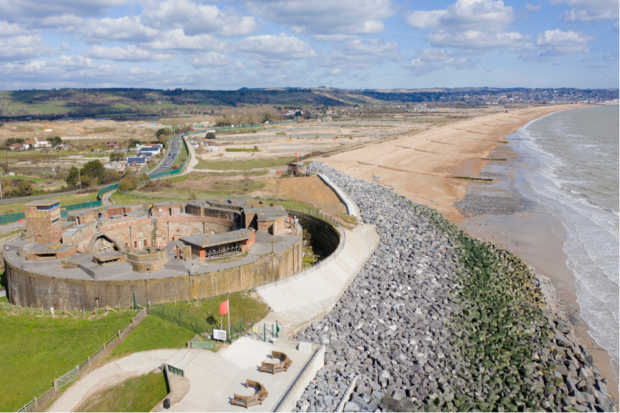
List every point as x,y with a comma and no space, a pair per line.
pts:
323,236
29,289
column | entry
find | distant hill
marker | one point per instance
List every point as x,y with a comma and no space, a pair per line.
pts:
58,103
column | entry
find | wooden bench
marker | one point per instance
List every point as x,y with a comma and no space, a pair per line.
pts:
249,401
274,368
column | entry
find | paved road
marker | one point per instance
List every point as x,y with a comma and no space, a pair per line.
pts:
173,148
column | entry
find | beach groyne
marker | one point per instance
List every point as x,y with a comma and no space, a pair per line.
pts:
437,320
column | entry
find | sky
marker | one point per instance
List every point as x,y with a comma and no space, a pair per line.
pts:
350,44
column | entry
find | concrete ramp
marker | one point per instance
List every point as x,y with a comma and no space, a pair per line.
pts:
307,297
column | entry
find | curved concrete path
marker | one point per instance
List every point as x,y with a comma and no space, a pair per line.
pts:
305,298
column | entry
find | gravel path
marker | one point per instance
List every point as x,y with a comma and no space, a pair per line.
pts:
414,329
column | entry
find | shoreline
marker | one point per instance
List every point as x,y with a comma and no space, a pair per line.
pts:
423,180
538,238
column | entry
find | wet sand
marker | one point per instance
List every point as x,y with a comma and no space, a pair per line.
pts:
423,167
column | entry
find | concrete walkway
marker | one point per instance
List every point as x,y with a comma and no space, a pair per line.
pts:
213,378
305,298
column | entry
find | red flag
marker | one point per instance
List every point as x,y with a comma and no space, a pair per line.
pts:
296,153
224,308
20,221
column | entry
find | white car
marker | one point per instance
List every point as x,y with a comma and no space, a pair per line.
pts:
166,165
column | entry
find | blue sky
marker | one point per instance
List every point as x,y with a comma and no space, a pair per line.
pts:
379,44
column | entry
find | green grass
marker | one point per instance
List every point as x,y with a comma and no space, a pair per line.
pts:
244,165
64,200
153,333
138,394
36,350
259,172
203,316
132,198
241,186
242,150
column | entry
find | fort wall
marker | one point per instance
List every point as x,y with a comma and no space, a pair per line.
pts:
33,290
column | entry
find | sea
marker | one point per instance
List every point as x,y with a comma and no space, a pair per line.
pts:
575,177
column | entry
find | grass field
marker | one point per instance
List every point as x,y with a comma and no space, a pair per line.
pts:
35,350
153,333
244,165
202,316
138,394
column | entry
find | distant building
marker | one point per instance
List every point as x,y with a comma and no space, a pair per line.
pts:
136,161
17,147
296,168
112,145
29,144
42,143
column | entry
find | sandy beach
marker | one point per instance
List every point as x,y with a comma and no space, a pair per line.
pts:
428,167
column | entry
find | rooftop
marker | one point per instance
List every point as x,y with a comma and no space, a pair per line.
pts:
204,240
43,202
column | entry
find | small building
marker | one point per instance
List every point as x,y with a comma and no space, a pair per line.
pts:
221,245
29,144
42,143
43,220
296,168
17,147
153,150
136,161
112,145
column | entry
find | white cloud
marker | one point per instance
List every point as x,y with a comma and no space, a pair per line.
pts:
475,39
359,53
35,8
129,53
177,40
532,7
326,19
469,24
23,47
74,62
431,60
209,60
270,47
11,29
127,28
198,18
484,15
557,42
590,10
558,63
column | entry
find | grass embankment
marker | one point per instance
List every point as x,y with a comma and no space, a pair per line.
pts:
243,165
503,336
64,200
36,349
138,394
153,333
203,316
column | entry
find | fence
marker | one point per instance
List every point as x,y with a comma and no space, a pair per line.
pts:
240,127
8,218
39,403
152,176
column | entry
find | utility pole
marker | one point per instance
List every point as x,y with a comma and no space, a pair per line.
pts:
80,178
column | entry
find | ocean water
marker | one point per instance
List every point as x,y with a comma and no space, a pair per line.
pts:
575,177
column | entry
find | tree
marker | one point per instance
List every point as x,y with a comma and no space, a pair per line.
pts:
94,169
55,141
210,135
116,156
11,141
110,176
128,183
24,189
133,143
73,178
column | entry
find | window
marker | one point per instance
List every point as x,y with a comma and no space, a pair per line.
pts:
56,220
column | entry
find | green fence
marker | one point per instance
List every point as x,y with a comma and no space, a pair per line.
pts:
8,218
152,176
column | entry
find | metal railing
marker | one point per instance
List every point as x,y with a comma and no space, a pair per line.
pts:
39,403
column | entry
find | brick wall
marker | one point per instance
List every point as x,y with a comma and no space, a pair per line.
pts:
44,225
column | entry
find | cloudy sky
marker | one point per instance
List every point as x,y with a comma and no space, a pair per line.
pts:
308,43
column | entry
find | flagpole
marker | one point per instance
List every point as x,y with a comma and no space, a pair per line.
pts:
228,317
